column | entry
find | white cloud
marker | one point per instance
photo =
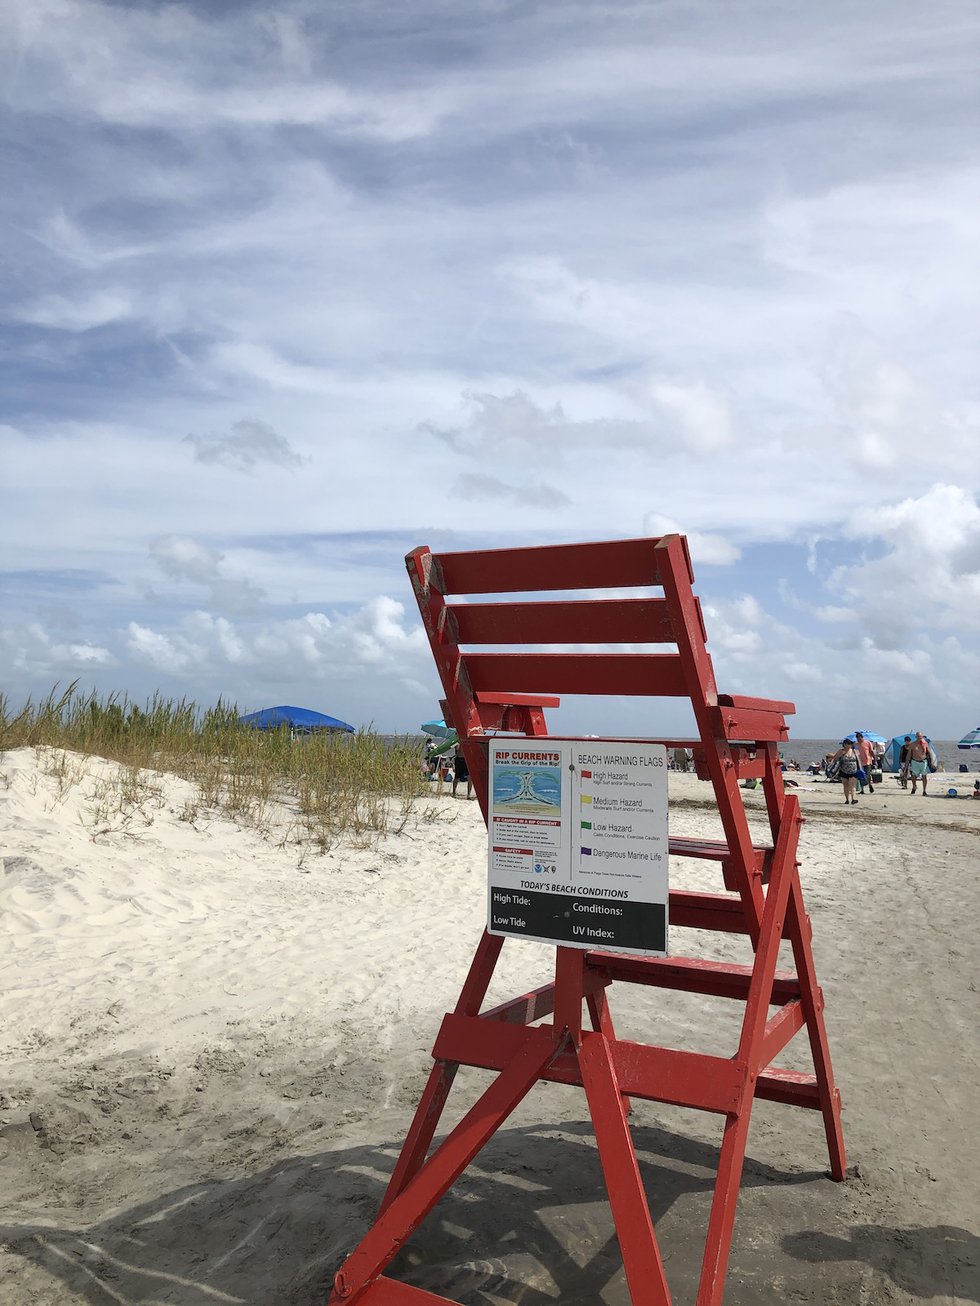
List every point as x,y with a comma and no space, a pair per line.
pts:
148,69
575,274
705,548
30,649
343,652
701,417
81,314
928,575
249,444
482,486
834,613
186,559
170,654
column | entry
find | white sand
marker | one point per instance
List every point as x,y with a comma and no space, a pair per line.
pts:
212,1045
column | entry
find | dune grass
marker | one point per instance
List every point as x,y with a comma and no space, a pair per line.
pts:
335,786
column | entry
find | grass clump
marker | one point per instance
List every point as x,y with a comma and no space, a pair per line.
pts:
333,786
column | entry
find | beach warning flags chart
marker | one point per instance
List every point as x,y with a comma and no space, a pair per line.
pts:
578,843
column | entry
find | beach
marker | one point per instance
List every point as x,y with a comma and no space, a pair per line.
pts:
213,1044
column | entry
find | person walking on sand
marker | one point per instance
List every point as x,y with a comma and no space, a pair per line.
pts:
848,769
904,760
919,761
866,756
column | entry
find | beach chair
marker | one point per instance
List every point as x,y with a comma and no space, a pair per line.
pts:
541,1035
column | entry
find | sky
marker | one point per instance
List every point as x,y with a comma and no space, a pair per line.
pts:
290,289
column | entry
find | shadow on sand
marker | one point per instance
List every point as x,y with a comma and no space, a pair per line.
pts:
528,1222
942,1261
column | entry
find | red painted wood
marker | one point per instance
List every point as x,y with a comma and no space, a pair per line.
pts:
586,621
658,1074
569,992
392,1229
657,675
791,1087
813,1005
507,691
616,563
721,1222
758,999
481,970
780,1028
715,850
631,1215
518,700
707,911
422,1130
757,704
741,723
719,979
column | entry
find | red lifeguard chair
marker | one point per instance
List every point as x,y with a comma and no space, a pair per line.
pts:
488,693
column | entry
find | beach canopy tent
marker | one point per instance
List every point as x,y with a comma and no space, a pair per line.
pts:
300,720
971,740
894,750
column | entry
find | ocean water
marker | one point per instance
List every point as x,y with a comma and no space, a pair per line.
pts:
807,751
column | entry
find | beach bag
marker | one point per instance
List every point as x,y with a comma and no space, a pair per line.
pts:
932,761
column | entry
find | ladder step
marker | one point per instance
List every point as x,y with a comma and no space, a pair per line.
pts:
789,1086
714,850
717,850
719,979
707,911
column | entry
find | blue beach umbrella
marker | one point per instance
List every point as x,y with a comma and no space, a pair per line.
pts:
971,740
301,720
437,729
868,734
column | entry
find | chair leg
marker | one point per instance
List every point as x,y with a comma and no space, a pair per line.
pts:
627,1199
722,1220
407,1211
423,1127
811,997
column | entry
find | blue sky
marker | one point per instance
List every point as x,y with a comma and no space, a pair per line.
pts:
288,290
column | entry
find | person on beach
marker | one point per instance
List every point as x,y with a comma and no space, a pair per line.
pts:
866,756
919,761
904,760
461,771
848,769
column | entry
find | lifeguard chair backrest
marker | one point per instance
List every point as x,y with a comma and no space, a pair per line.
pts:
483,689
480,685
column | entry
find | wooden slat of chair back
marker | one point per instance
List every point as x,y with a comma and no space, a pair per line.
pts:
641,674
621,564
586,621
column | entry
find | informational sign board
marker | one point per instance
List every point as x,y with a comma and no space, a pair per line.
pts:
578,843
